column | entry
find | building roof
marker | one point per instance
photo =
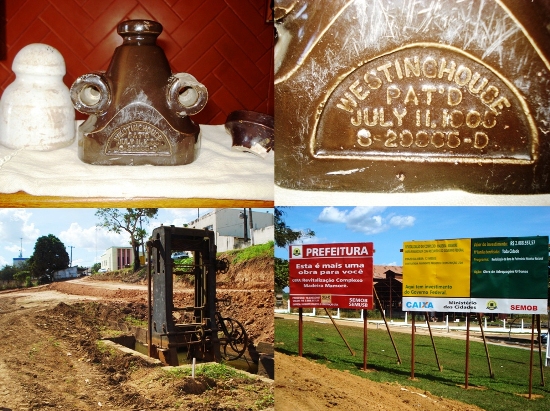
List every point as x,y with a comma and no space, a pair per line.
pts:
381,272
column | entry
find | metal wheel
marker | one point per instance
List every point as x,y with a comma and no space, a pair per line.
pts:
233,339
222,265
238,339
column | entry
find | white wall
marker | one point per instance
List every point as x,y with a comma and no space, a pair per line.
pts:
264,235
71,272
226,221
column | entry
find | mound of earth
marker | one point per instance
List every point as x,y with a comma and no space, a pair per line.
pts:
50,358
301,384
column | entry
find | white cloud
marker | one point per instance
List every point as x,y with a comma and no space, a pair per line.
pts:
92,238
15,225
14,249
181,216
332,215
402,221
366,220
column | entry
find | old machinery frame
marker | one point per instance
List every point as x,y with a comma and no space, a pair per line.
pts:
165,336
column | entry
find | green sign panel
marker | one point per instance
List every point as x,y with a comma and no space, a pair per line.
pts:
509,267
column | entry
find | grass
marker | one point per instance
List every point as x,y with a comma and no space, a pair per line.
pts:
110,333
105,349
510,365
214,371
266,400
249,253
239,256
136,322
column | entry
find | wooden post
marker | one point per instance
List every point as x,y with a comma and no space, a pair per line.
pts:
339,332
491,373
467,350
433,342
377,301
300,327
540,353
531,356
412,345
365,326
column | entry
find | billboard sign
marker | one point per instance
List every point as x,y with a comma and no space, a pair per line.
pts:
331,275
500,275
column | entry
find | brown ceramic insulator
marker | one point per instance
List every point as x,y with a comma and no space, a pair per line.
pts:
139,111
408,96
251,132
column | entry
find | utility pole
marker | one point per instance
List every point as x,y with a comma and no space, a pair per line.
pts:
71,263
142,241
21,249
251,227
244,217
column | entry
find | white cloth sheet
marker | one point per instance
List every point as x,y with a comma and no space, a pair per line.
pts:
218,173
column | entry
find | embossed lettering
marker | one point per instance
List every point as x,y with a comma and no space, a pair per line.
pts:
385,68
429,67
473,81
137,137
382,122
372,81
364,138
391,139
429,89
438,139
411,95
392,93
356,89
399,115
347,104
481,140
454,96
473,119
398,69
412,67
463,75
406,138
421,99
443,69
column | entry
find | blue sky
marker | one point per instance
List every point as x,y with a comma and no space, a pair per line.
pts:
74,227
389,227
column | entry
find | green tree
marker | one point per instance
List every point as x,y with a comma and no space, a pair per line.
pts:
281,274
23,277
284,235
116,220
7,273
96,267
49,256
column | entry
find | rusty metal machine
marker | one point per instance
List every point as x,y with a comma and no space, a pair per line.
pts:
201,330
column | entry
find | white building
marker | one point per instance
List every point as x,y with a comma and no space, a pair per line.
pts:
18,262
116,258
71,272
229,226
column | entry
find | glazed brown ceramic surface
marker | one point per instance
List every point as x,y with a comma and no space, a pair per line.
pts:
404,96
139,111
251,131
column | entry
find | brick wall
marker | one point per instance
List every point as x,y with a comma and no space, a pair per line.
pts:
225,44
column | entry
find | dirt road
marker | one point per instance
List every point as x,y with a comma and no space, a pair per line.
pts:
50,357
